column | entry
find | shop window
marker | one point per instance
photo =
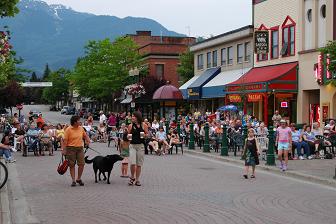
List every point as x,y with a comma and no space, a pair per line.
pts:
159,70
208,59
200,62
274,44
240,52
214,59
230,55
288,38
247,52
223,57
262,57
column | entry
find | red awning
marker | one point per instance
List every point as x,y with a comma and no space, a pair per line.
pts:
283,76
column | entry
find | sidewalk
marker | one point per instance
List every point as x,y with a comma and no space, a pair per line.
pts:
5,216
316,170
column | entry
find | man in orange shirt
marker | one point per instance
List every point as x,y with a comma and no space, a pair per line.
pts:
73,148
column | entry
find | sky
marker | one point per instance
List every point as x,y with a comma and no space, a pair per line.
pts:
199,18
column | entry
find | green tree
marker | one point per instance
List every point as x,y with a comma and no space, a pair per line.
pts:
11,94
330,49
186,68
60,86
8,8
105,68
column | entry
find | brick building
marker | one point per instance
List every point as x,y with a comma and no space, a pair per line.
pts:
161,54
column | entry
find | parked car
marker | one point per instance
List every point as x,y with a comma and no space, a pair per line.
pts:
64,109
71,111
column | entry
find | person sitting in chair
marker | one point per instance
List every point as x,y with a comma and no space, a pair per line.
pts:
45,140
161,137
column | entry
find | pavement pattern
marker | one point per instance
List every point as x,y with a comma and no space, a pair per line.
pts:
175,189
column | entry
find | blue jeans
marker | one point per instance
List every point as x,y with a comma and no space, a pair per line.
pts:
6,152
299,146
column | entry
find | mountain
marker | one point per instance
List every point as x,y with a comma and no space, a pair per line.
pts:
56,34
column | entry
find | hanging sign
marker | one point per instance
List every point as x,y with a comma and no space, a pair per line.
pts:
284,104
254,97
329,76
319,70
235,98
261,41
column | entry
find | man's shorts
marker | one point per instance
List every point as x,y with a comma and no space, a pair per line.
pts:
283,146
75,155
136,154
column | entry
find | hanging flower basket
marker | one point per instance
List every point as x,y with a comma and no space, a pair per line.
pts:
5,47
136,90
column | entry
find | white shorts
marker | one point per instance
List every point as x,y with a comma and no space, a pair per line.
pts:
136,154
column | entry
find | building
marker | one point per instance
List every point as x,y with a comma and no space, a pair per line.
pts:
161,54
297,29
218,61
316,100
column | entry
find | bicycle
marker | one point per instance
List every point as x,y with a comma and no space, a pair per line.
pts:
3,174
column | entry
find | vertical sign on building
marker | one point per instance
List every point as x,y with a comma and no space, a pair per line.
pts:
261,41
319,74
328,64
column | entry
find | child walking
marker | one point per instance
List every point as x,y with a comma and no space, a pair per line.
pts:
284,143
251,153
124,152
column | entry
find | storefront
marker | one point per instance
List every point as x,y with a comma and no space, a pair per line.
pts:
263,90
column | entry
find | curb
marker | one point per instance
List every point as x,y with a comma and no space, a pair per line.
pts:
5,216
272,169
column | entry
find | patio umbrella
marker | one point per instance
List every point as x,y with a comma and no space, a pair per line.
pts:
228,108
167,93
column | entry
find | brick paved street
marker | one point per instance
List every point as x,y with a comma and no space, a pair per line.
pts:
176,189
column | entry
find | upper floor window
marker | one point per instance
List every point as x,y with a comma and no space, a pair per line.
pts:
223,56
274,44
288,37
214,59
323,11
230,55
200,62
247,52
208,59
159,70
240,53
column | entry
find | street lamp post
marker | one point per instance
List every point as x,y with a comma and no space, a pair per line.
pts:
134,73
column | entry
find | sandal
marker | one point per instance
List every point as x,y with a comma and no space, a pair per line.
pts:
73,184
245,176
80,182
252,176
131,181
137,183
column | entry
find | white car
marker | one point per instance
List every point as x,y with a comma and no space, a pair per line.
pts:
64,109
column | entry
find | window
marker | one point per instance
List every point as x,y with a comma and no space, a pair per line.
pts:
323,11
240,52
274,44
310,15
200,63
230,55
208,59
214,59
159,70
223,57
262,57
247,52
288,41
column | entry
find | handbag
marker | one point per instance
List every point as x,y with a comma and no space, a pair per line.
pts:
63,166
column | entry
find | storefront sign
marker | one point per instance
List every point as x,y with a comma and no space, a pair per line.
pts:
235,98
329,76
254,97
244,88
191,93
261,42
284,95
284,104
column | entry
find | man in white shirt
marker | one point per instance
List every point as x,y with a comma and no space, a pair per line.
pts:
102,118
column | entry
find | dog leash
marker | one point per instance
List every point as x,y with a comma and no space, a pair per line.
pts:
92,150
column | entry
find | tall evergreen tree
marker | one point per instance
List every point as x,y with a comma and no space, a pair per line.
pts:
34,78
46,72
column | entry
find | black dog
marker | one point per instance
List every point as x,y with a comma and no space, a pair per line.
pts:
103,164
